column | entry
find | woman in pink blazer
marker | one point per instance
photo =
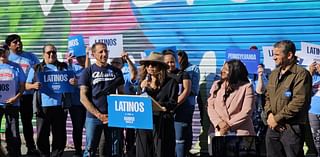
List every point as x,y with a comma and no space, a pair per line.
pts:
231,101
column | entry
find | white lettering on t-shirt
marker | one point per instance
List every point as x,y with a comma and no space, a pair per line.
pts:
100,76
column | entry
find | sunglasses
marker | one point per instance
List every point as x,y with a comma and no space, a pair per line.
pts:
152,64
51,52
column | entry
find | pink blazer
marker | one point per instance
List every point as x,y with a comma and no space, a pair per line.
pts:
237,110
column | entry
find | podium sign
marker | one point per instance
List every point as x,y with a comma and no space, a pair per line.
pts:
130,111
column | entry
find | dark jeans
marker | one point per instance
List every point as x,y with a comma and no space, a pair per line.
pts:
130,139
287,143
12,130
314,120
54,119
26,112
117,143
78,117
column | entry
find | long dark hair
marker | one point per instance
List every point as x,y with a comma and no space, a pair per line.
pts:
184,61
238,75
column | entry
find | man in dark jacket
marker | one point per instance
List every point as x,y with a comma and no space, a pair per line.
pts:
287,103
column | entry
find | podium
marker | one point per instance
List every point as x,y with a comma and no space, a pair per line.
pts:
132,111
234,146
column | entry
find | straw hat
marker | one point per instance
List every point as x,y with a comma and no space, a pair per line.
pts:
154,57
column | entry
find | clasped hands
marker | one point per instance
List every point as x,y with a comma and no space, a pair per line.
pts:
102,117
272,122
223,128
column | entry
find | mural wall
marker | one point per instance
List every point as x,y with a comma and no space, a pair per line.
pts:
204,28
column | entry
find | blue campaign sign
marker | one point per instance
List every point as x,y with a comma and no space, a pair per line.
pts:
130,111
56,81
76,45
251,58
7,90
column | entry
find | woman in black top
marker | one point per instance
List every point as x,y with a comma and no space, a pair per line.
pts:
184,110
154,81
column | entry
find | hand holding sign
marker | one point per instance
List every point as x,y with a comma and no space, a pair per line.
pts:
312,68
125,56
36,85
73,81
260,70
70,58
11,100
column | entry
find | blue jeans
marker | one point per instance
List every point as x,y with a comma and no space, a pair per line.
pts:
183,126
183,138
94,128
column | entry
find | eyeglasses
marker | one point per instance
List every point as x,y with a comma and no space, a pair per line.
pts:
51,52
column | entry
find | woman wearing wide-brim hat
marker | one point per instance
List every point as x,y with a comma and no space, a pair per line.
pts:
155,82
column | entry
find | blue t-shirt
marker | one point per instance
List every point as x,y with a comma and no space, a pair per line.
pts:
33,58
194,73
12,71
26,60
315,100
75,96
98,80
47,99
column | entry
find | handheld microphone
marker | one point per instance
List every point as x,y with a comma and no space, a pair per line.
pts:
148,79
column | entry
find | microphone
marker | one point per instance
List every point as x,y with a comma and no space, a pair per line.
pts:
148,79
